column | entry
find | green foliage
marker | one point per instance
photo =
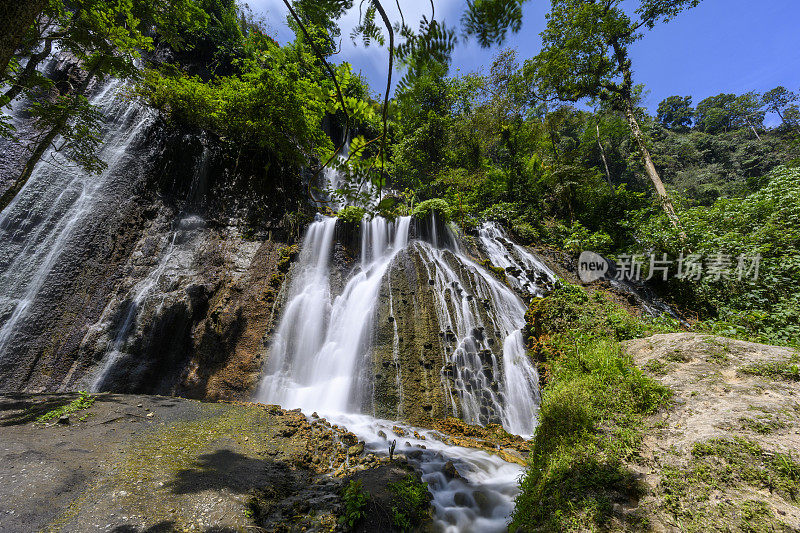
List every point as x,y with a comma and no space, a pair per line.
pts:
276,104
765,222
410,503
591,418
571,310
581,239
788,370
503,212
83,402
355,502
726,112
676,113
781,101
490,20
590,423
79,124
351,214
434,205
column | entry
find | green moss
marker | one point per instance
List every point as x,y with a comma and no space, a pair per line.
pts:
499,272
763,425
437,205
656,366
84,401
725,465
788,370
286,255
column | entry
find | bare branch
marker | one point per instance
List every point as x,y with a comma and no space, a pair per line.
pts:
388,24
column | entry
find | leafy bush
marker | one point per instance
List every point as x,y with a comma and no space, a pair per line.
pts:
582,239
525,233
410,502
355,500
767,223
503,212
590,420
84,401
437,205
351,214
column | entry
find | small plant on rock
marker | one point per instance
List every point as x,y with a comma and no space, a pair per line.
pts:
355,501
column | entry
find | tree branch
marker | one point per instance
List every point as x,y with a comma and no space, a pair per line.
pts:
388,24
338,92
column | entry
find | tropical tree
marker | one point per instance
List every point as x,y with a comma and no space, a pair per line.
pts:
780,100
418,50
586,55
676,112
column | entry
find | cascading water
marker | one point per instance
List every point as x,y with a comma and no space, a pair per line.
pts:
48,214
462,288
526,272
320,359
322,338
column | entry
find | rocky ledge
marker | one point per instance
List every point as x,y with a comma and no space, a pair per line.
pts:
129,463
724,456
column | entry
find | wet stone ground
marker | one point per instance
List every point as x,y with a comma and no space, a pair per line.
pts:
149,463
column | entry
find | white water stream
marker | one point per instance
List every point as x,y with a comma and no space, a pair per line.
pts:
44,218
321,357
524,270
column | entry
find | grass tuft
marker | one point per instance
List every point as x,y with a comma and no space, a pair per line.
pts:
84,401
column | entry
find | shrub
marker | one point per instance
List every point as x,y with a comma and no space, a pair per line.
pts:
410,502
766,222
351,214
581,239
355,501
503,212
589,425
437,205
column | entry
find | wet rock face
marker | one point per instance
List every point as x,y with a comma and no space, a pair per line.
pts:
407,358
199,329
157,289
424,370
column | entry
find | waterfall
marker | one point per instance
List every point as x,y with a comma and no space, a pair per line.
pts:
320,360
480,316
526,272
322,347
314,363
49,213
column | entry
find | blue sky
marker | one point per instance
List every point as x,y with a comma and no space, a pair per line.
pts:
721,46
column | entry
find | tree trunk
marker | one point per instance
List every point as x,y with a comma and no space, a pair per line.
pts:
753,128
605,163
27,74
33,160
16,16
658,185
388,24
